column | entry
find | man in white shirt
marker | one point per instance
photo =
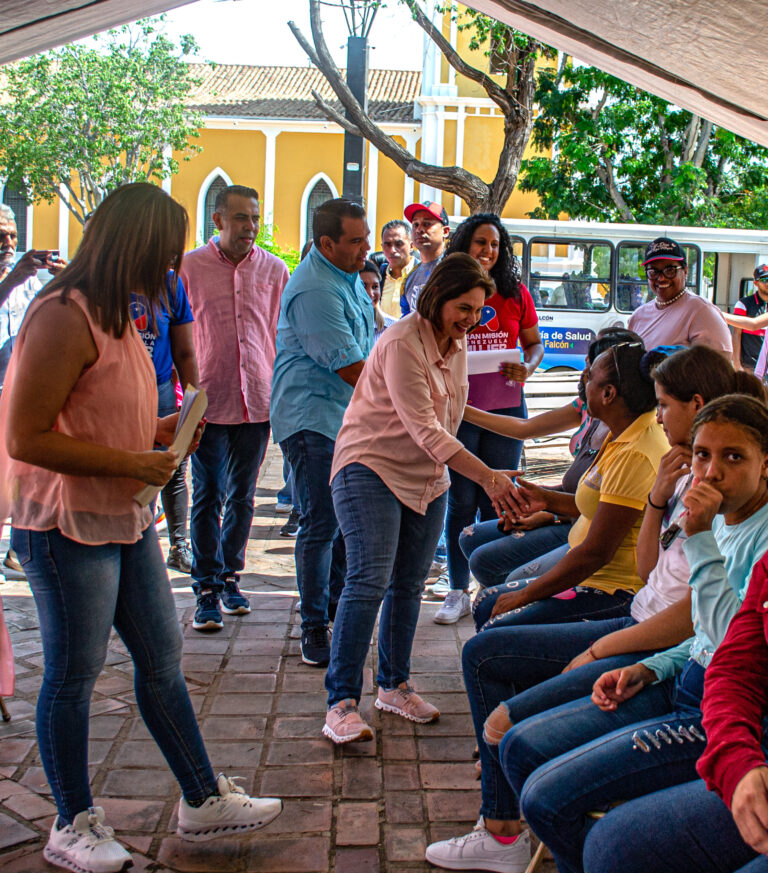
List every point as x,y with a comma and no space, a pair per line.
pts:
18,283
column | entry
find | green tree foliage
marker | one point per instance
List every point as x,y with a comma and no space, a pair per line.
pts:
91,117
621,154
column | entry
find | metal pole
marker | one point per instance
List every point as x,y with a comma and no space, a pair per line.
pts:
354,146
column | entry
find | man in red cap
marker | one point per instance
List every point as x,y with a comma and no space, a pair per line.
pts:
747,342
676,316
429,227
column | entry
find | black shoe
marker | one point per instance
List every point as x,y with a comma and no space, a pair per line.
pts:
291,527
180,558
208,614
316,646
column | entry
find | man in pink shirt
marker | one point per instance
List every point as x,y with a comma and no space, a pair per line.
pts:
234,288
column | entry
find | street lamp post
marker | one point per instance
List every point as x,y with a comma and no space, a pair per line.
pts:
359,15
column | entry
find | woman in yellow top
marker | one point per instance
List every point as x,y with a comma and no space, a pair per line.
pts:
598,575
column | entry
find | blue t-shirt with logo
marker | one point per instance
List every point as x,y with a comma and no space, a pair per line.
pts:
156,335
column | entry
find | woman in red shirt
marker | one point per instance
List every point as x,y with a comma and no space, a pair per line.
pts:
509,317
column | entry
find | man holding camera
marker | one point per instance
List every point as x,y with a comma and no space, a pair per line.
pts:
18,282
18,285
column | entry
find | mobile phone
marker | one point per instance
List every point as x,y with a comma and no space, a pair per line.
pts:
54,256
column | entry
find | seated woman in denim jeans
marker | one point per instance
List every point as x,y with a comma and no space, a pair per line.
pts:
641,731
389,485
495,549
597,577
79,420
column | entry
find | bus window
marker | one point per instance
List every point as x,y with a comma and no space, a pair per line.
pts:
573,275
631,285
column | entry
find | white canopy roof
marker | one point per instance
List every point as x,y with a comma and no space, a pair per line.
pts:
703,55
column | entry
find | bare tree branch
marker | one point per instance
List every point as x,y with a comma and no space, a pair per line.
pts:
499,96
701,149
515,101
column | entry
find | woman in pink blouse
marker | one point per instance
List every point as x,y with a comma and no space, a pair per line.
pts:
390,481
78,416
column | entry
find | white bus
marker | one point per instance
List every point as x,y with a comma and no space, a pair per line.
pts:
585,276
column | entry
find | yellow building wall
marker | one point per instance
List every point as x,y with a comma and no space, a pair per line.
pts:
45,226
238,152
389,198
300,157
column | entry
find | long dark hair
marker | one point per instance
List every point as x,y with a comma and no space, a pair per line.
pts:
506,271
133,238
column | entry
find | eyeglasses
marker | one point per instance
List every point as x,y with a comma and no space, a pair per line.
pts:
615,356
668,272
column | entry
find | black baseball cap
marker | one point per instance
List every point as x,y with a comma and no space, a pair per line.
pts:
761,273
663,249
430,206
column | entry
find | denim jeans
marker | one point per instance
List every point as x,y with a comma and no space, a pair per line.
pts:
685,828
389,552
577,604
175,496
224,472
522,666
319,552
493,555
81,592
285,494
466,498
574,759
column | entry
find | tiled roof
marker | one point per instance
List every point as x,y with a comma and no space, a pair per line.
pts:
286,92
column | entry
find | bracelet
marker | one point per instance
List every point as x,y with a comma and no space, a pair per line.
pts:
557,519
655,505
591,651
493,478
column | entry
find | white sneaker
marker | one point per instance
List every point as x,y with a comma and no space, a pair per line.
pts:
282,508
478,850
455,606
87,845
231,811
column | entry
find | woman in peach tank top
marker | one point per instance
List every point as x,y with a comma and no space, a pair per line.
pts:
78,416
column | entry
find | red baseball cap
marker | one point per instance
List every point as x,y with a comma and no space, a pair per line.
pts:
430,206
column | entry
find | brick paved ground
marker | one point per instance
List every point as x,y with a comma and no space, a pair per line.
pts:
355,809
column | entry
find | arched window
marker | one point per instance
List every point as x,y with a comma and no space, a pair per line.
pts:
317,196
15,199
209,227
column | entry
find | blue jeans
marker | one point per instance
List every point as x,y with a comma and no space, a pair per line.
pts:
466,498
685,828
389,552
574,759
493,555
285,494
319,553
585,603
81,592
522,666
174,495
224,472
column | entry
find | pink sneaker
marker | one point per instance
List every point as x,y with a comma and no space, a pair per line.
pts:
343,724
404,701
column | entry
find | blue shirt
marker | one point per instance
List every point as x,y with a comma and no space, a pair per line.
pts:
325,324
157,336
721,562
